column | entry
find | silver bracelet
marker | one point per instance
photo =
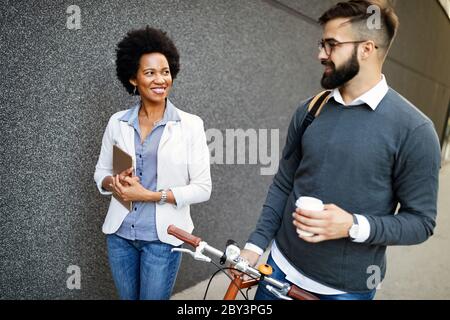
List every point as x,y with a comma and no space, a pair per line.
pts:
163,199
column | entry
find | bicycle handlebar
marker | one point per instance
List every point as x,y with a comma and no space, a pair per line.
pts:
293,291
184,236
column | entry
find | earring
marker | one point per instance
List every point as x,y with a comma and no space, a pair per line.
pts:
134,91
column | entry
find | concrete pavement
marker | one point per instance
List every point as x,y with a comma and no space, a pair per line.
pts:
413,272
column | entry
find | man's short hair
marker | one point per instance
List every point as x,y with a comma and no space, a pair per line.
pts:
358,12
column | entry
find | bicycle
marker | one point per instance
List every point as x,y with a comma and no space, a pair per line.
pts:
281,290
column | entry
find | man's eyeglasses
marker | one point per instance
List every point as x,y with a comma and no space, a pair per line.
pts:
329,45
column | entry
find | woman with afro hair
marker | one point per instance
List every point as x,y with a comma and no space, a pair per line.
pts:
171,169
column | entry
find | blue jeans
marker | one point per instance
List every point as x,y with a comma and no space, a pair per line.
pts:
142,270
263,294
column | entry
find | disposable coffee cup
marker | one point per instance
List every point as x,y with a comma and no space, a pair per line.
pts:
311,204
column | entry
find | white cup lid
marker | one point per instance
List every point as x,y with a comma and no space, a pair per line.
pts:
309,203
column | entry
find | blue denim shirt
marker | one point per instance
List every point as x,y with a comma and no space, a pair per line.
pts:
140,223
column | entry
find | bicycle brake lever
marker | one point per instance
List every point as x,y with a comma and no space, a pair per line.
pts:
182,250
197,255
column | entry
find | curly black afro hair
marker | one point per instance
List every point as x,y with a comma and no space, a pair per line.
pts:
139,42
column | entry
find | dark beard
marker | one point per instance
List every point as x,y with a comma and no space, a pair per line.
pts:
340,76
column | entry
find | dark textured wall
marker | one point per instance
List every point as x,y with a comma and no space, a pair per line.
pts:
245,64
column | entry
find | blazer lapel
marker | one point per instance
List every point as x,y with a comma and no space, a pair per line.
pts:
127,133
167,133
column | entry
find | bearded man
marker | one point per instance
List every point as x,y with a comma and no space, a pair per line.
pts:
367,152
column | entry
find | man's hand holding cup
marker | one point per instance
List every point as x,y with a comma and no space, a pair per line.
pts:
316,222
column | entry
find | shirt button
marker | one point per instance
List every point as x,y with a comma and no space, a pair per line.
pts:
135,209
140,174
140,156
132,225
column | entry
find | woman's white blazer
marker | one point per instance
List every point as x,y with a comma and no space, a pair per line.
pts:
183,167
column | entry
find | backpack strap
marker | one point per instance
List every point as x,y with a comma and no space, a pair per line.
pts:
314,109
316,104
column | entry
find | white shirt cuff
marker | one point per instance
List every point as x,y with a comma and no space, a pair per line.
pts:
254,248
100,186
363,230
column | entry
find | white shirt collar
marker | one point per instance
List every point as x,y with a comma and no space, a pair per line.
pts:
372,97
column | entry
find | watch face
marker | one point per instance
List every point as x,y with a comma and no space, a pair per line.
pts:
354,231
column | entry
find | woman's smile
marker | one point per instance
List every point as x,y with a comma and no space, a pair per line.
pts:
159,90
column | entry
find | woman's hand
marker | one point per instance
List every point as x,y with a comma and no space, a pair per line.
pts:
125,173
128,188
107,183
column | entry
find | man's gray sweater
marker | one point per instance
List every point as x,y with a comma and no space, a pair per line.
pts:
366,162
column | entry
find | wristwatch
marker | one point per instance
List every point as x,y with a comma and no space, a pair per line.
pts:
163,197
354,229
